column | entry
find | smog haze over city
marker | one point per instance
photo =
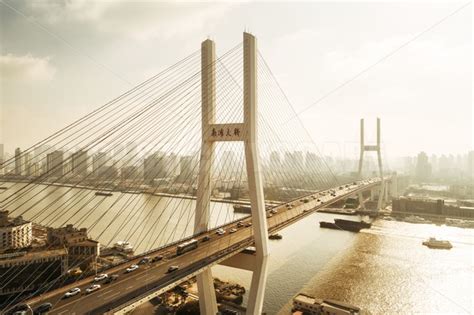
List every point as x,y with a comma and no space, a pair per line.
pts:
236,157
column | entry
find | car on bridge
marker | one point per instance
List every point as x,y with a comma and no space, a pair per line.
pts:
131,268
111,278
233,230
240,224
144,260
220,232
43,308
157,258
19,308
72,292
93,288
100,277
206,238
172,268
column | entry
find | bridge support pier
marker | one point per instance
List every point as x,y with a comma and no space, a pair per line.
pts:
247,133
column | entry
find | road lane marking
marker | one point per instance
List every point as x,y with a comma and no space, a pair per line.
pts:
62,312
143,276
112,296
129,287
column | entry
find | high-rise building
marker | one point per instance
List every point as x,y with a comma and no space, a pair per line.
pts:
130,154
423,167
99,163
18,162
79,162
275,161
187,169
55,163
154,167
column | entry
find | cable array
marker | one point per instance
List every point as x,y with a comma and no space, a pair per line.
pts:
144,148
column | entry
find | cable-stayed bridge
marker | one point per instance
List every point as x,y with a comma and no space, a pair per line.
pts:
204,127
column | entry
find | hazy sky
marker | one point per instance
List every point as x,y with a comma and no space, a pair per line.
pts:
88,52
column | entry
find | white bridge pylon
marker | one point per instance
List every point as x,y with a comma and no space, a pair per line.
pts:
246,132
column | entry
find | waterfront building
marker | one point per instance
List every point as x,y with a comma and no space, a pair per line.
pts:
81,250
55,163
187,169
51,263
431,207
14,233
130,173
154,167
423,167
79,162
99,162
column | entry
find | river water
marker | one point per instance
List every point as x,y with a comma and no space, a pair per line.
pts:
384,270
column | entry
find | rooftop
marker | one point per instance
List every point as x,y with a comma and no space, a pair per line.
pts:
6,221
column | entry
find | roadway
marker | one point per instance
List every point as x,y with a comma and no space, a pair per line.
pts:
153,276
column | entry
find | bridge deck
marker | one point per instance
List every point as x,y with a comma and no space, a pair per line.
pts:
154,276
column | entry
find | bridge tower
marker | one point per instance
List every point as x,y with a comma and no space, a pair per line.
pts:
367,148
246,132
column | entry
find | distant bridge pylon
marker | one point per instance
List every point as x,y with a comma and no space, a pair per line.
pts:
372,148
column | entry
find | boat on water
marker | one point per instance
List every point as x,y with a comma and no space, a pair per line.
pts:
275,236
135,192
346,225
315,306
242,209
362,224
437,244
334,226
103,193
